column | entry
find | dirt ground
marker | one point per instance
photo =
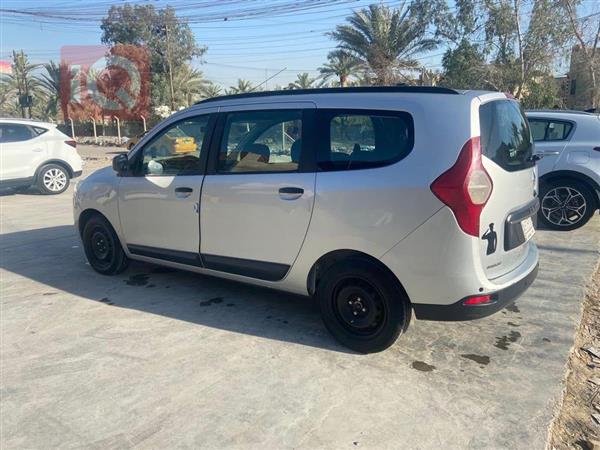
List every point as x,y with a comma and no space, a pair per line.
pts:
577,424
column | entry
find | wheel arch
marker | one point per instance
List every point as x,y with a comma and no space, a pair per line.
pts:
576,176
324,262
86,215
58,162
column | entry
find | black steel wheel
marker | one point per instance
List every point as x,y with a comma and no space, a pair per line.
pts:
102,247
363,305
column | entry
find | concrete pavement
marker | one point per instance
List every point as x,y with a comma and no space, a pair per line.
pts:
156,358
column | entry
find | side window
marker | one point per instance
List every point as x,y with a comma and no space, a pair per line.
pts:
176,150
261,141
14,132
39,130
538,129
557,131
363,139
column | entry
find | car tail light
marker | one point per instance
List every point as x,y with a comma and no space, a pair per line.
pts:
466,187
71,143
478,300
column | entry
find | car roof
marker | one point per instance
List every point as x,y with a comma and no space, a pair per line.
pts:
310,94
32,122
559,112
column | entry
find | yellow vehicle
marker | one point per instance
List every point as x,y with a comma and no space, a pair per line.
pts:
181,144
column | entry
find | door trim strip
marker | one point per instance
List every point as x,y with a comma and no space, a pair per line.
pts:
262,270
177,256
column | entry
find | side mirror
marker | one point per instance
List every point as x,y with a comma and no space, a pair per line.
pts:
120,164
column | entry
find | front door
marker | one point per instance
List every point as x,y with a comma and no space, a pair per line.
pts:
158,202
258,196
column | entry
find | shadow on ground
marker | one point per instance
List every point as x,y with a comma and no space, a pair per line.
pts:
53,256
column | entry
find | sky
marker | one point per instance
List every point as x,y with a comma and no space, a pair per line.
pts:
258,39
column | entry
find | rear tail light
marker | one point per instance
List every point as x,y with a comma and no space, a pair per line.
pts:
71,143
466,187
478,300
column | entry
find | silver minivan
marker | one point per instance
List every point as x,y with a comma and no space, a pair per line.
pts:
376,201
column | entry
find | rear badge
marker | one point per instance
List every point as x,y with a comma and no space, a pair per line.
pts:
492,240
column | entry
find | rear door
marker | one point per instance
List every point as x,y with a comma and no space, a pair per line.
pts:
22,150
507,220
550,137
258,197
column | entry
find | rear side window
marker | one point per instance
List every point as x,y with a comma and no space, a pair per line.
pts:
14,132
505,135
364,139
550,130
39,130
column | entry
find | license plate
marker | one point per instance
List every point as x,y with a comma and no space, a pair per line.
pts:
528,228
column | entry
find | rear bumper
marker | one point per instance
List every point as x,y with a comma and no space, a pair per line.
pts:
457,311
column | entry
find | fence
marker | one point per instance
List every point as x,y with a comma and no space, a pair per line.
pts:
107,130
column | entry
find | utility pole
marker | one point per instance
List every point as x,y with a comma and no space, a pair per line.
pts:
170,68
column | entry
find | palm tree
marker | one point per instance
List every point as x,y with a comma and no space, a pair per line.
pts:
303,81
22,78
50,83
386,40
189,85
211,90
242,87
340,64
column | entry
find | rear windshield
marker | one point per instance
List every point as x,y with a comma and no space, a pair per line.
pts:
505,135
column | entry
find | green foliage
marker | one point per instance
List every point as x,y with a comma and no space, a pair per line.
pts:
387,40
167,38
464,67
242,87
341,65
303,81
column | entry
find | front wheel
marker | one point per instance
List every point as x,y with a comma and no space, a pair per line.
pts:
102,247
565,204
53,179
362,305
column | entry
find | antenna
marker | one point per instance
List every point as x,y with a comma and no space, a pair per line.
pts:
267,80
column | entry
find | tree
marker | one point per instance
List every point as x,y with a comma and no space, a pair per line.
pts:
190,84
169,40
464,67
50,83
341,65
242,87
211,90
387,40
23,80
303,81
586,33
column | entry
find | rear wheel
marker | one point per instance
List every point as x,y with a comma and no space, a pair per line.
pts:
565,204
362,305
53,179
102,247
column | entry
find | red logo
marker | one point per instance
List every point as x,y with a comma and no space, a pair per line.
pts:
97,81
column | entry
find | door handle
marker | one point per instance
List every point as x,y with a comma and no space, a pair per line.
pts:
183,192
290,193
550,152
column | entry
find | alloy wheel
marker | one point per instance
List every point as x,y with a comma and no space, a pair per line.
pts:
55,180
563,206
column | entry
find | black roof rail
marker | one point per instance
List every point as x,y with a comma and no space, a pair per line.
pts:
338,90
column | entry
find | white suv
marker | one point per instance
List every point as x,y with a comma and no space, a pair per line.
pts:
378,201
569,171
35,153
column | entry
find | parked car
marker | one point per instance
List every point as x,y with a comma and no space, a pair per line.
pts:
569,171
37,154
377,201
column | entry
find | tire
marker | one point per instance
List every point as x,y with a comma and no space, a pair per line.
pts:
566,204
53,179
355,290
102,247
